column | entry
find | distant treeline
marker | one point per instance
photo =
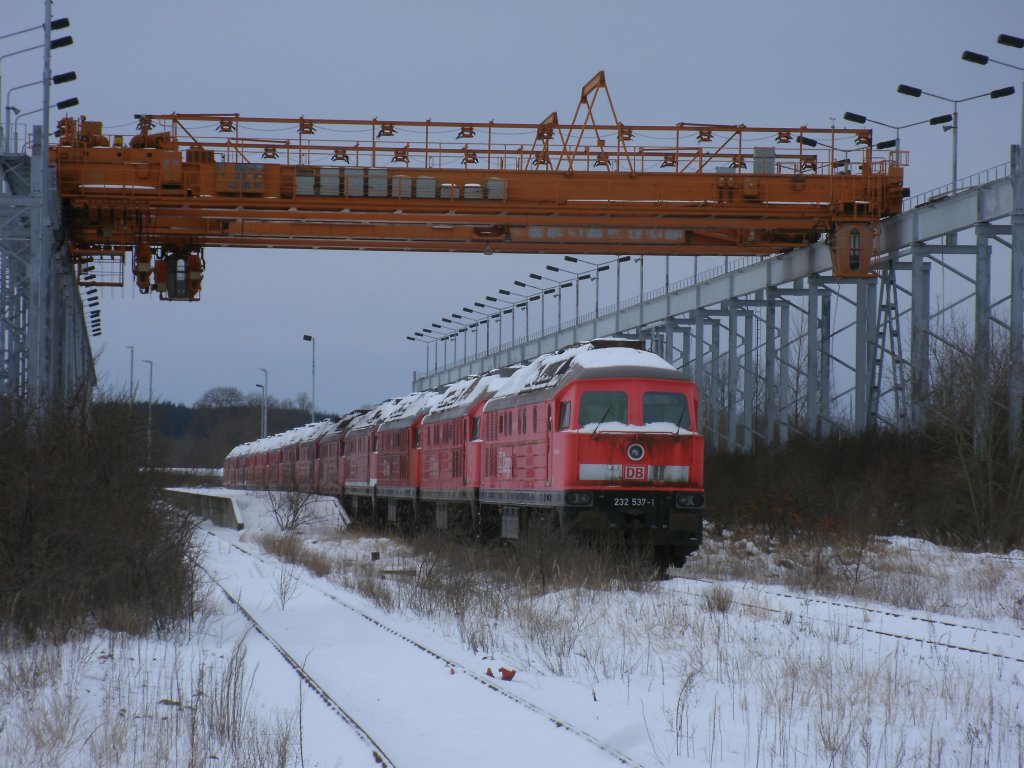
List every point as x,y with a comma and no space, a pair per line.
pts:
200,435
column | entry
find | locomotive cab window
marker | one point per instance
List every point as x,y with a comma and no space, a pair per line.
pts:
564,414
602,407
670,407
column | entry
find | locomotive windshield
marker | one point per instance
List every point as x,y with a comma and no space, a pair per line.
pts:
668,407
602,407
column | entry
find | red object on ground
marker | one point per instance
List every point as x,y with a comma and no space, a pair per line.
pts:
506,674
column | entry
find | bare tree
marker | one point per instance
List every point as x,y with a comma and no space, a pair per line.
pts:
292,509
221,397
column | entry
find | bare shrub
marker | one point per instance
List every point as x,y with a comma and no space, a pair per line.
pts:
292,509
364,580
970,430
286,584
83,533
291,549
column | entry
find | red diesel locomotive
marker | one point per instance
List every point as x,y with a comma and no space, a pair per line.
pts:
600,437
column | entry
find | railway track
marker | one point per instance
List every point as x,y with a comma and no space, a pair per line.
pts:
883,614
377,752
454,667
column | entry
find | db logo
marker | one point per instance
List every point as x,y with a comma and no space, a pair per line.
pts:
634,472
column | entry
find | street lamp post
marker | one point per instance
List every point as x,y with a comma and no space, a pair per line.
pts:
489,319
465,337
483,319
472,326
264,415
909,90
131,374
559,284
853,117
434,337
525,305
511,310
60,79
149,418
1015,410
65,104
312,404
263,405
598,269
426,346
50,44
978,58
542,292
578,277
444,338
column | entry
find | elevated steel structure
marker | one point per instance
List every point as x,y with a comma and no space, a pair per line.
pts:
780,344
44,343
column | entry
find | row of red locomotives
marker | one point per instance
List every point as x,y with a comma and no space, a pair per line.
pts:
598,437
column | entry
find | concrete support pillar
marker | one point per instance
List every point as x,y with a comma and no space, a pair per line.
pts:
920,314
982,340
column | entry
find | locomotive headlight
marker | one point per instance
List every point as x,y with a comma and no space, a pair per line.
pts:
578,498
689,500
635,452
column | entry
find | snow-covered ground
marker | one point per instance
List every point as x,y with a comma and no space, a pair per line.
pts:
729,664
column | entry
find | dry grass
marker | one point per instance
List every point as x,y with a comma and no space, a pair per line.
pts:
290,548
903,573
717,599
111,701
755,685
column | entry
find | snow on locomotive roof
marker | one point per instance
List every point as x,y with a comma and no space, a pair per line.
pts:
460,396
281,439
377,413
409,408
548,370
343,423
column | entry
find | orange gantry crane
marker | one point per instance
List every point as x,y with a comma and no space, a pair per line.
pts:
189,181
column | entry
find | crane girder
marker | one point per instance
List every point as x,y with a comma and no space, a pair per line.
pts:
177,187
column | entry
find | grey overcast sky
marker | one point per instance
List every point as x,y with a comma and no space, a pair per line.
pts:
776,63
